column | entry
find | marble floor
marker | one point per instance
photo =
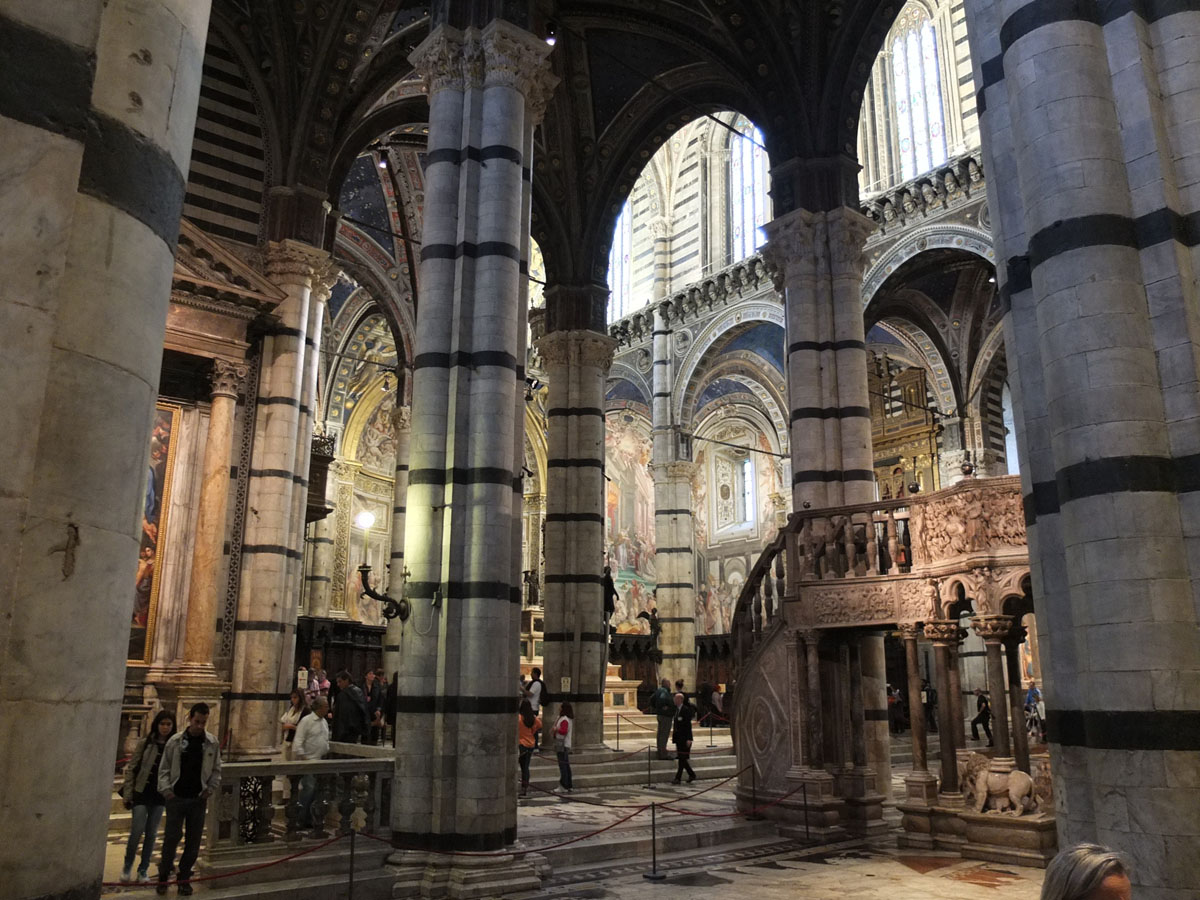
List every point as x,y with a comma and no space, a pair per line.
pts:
722,856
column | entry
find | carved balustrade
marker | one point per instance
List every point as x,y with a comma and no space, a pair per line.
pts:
887,562
724,286
246,810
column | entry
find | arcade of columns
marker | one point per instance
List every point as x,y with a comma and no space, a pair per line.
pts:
1108,489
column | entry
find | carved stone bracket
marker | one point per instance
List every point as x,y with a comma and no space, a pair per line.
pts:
402,418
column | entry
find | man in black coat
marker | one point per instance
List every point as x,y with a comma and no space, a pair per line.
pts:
350,717
682,736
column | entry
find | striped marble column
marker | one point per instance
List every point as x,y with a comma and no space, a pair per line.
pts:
576,645
90,202
457,737
674,535
320,567
267,603
817,261
1100,274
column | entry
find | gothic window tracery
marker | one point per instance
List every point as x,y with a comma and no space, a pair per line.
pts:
920,122
620,298
749,180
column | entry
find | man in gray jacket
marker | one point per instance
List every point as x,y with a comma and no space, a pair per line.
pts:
190,773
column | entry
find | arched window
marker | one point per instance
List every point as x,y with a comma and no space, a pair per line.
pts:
1010,431
620,298
920,119
749,180
746,491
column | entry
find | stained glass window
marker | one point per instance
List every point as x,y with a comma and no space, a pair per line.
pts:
620,298
749,180
920,124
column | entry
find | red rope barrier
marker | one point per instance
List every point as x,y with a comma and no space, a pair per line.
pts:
499,853
756,809
244,871
633,723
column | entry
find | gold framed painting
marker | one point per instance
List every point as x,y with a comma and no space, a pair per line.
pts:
152,538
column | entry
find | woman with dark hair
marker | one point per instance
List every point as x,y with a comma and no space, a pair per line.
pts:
290,719
1087,872
140,792
528,725
564,730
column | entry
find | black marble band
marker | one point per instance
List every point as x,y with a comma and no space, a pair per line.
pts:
574,579
587,637
595,518
575,411
470,250
475,154
456,475
829,412
1125,729
459,590
272,473
258,625
498,358
807,476
673,550
278,401
821,346
1039,14
271,549
1114,475
669,585
426,840
568,463
673,512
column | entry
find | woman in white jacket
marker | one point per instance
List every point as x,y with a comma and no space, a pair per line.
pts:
564,730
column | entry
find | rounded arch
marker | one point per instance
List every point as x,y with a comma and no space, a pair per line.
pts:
928,237
770,397
748,312
929,355
365,352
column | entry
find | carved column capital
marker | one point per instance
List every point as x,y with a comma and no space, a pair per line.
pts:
910,631
577,348
294,262
516,59
993,629
439,60
228,379
402,418
660,228
847,233
679,470
810,636
942,631
791,248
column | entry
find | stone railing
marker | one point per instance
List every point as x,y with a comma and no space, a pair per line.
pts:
348,792
724,286
956,181
888,562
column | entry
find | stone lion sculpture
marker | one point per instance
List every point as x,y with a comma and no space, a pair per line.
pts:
997,792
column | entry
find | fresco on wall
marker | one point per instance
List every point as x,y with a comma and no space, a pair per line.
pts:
629,520
377,444
147,581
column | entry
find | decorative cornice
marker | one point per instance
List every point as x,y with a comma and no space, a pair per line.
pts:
229,308
228,379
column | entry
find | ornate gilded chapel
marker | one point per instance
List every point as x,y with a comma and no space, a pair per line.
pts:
435,428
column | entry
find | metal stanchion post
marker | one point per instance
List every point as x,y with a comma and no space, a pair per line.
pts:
710,735
653,874
618,732
649,774
350,892
754,815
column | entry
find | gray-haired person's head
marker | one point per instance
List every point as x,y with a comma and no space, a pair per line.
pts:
1077,872
320,704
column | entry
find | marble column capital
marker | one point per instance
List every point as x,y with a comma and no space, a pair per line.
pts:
296,263
791,247
228,379
439,60
910,631
660,227
516,59
847,231
810,636
943,632
402,418
577,348
993,629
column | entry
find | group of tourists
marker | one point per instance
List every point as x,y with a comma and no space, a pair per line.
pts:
176,772
529,731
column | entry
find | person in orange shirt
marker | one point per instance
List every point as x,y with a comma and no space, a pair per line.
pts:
528,725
